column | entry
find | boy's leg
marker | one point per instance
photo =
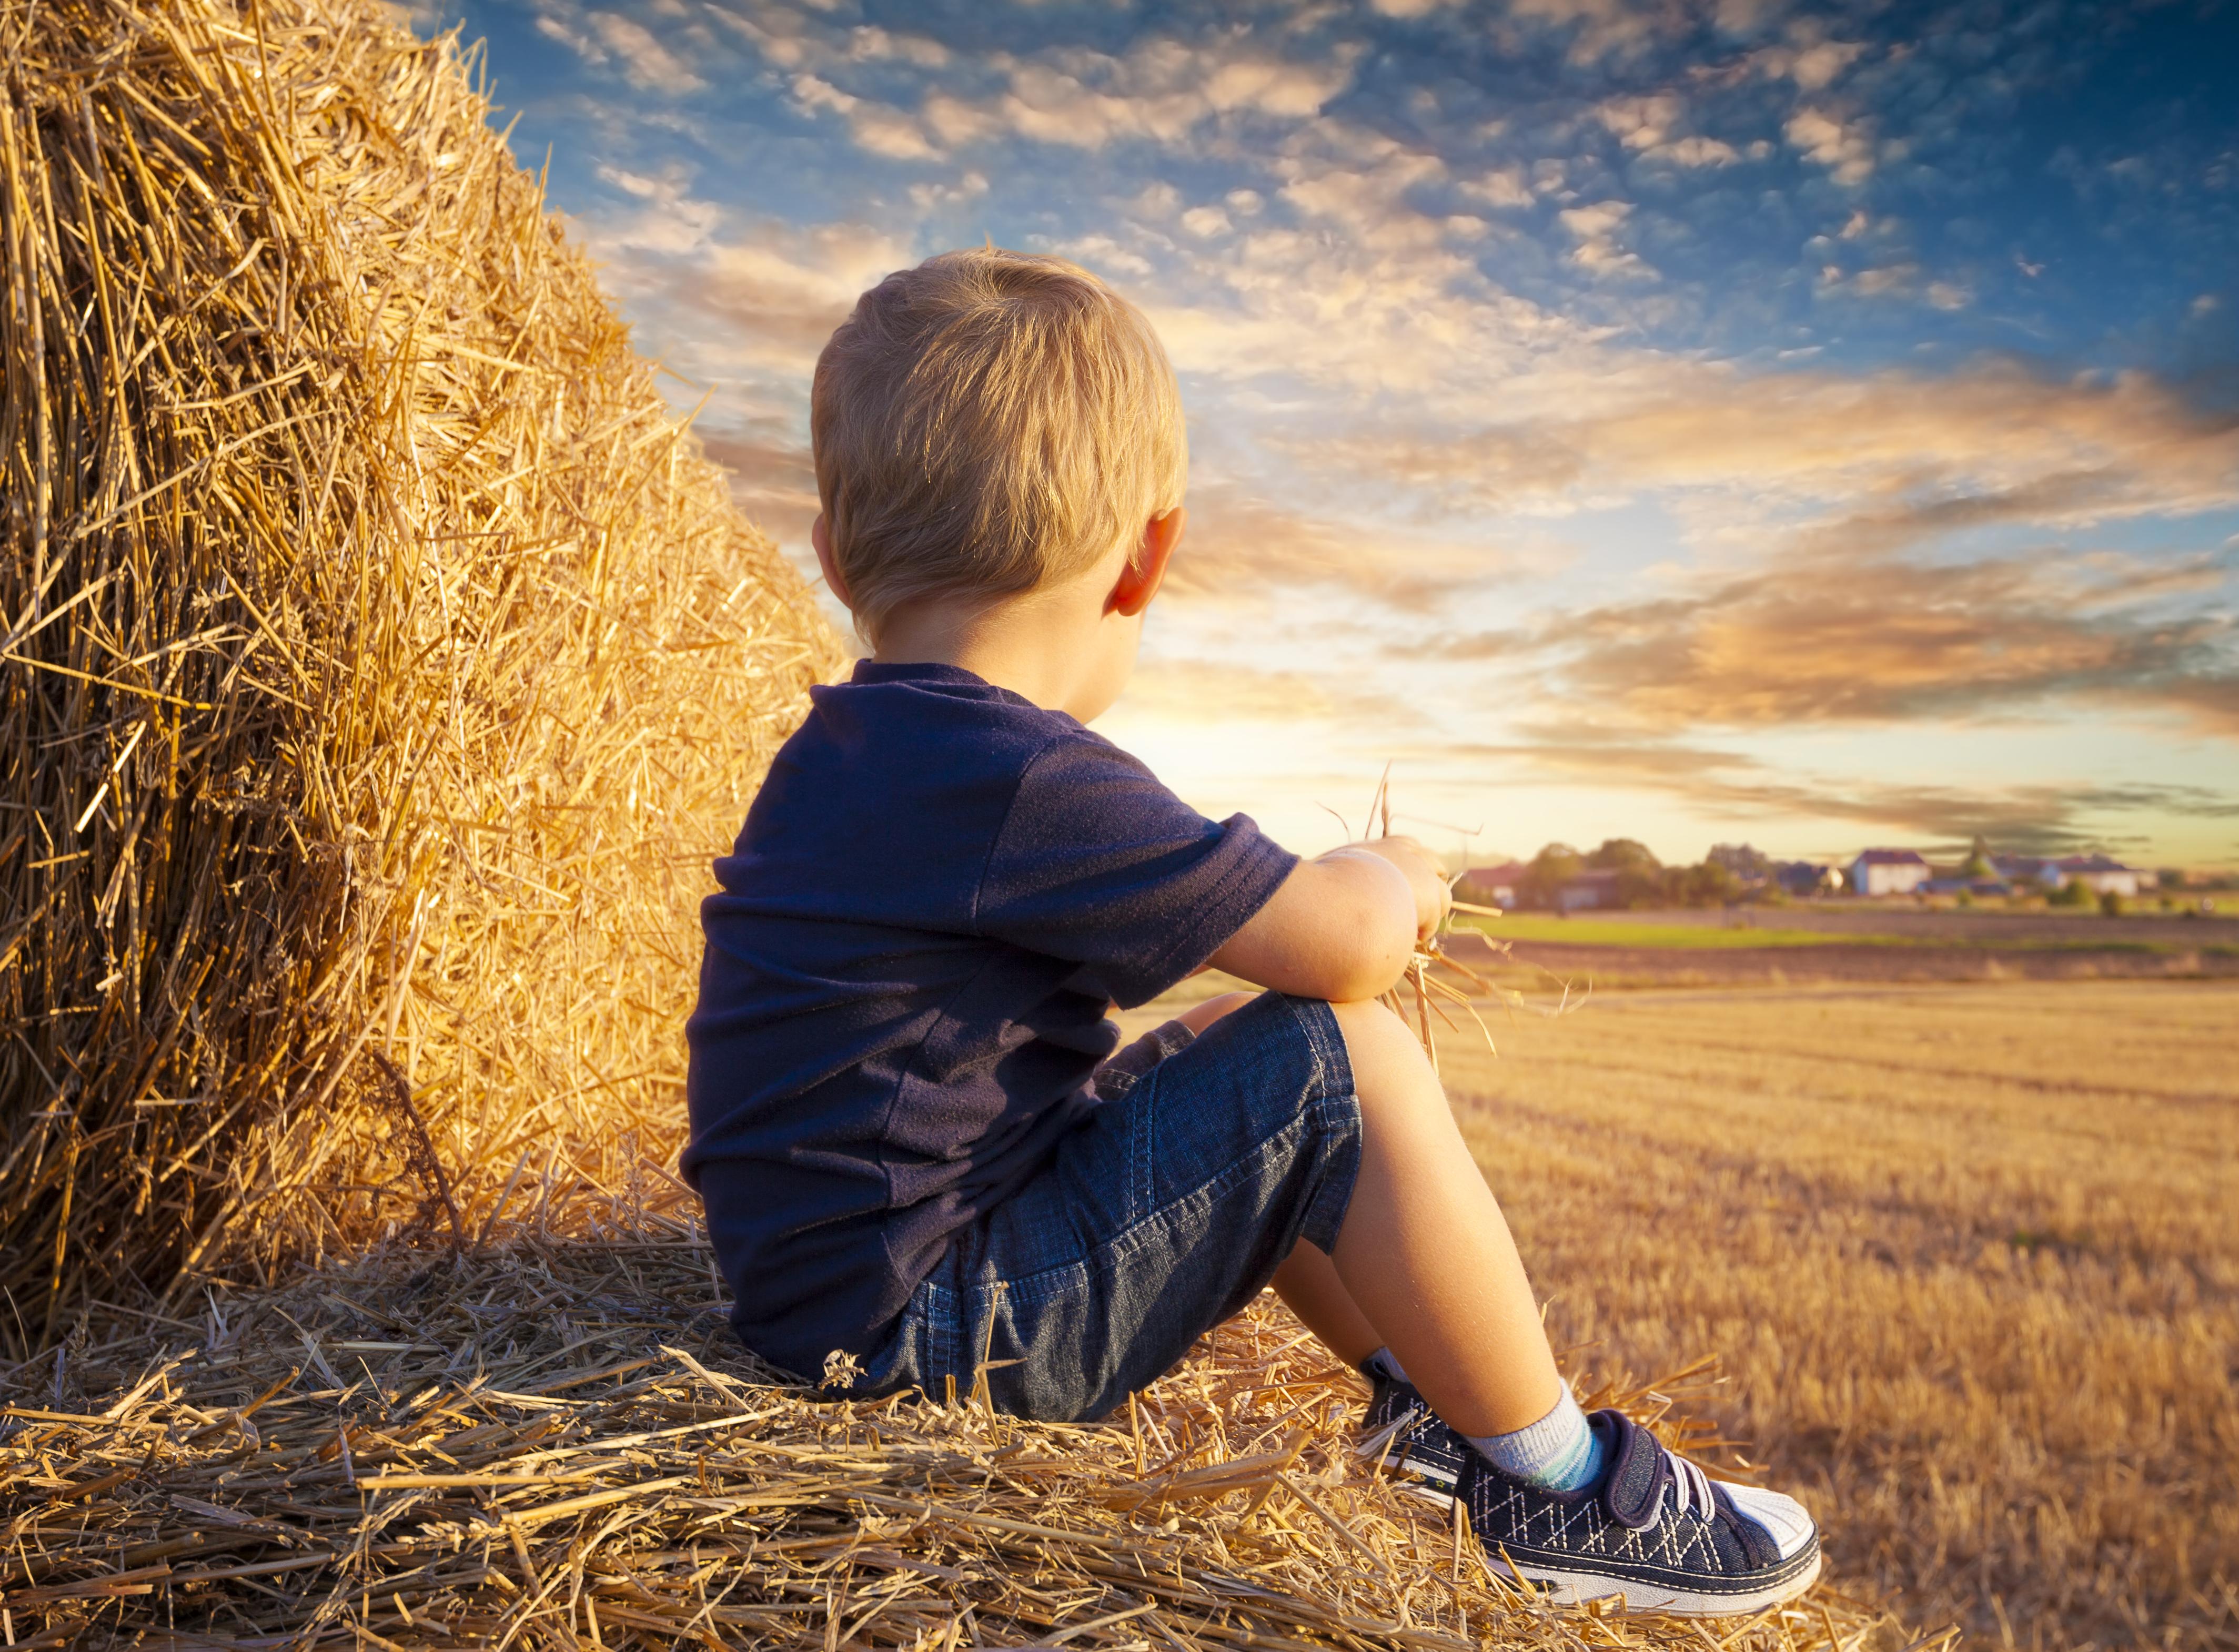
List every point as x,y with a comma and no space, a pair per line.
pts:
1308,1284
1198,1017
1424,1263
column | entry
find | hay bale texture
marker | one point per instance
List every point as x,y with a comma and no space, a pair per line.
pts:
380,661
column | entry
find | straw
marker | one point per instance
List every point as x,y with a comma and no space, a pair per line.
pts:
381,662
558,1445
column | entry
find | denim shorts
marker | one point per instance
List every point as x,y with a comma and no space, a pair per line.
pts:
1164,1213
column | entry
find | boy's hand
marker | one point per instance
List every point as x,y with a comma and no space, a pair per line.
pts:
1434,899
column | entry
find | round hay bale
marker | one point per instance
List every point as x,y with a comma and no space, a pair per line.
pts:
380,662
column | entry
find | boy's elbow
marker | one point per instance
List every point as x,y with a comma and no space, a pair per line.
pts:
1366,971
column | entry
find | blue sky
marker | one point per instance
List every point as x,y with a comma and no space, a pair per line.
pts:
1815,425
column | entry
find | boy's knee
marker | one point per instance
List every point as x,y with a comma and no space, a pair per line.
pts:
1380,1045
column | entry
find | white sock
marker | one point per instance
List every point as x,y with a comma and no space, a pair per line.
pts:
1560,1451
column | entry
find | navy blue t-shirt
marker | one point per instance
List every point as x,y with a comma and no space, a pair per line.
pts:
940,889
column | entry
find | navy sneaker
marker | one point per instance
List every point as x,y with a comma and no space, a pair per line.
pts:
1651,1530
1403,1434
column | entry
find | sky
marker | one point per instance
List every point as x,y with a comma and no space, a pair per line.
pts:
1815,426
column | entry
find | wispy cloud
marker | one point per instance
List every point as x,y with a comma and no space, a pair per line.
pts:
2055,816
1832,640
1992,441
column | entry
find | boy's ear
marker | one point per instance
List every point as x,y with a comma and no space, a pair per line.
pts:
1143,573
819,535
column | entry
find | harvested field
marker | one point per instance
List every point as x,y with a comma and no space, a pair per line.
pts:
1969,1256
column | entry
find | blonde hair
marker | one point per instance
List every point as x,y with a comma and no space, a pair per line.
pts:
985,423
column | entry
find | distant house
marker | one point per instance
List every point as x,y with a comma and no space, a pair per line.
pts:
2027,871
2103,876
1587,892
1888,871
1499,886
1966,886
1808,878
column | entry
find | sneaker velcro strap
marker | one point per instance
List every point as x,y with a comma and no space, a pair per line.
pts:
1757,1543
1633,1492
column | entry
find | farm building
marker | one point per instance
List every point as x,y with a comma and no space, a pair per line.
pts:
1500,886
1965,885
1587,892
2102,875
1888,871
1807,877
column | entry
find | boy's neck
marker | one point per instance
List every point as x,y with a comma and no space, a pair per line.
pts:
1054,647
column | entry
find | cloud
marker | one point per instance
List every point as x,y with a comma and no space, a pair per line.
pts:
742,293
610,40
1162,89
1835,638
1640,123
772,477
1244,546
1904,450
1700,151
1812,67
1845,149
1596,228
1601,29
1202,691
1646,125
1502,187
648,65
876,127
2048,817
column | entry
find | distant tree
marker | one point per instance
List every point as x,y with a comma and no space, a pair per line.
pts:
1551,868
2073,892
1624,855
1639,873
1742,859
1978,863
1710,884
2111,904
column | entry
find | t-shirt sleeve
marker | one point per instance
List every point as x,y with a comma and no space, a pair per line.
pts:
1098,863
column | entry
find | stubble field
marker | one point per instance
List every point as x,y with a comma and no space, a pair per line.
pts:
1968,1256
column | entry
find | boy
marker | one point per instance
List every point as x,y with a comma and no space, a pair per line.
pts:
917,1150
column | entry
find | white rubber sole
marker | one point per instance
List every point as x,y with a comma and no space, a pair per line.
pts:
1581,1588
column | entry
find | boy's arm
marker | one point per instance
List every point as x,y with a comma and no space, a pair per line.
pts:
1344,926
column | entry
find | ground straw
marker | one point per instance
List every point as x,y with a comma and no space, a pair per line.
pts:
556,1443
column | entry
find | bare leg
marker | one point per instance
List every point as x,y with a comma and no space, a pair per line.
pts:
1425,1265
1307,1282
1198,1017
1425,1253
